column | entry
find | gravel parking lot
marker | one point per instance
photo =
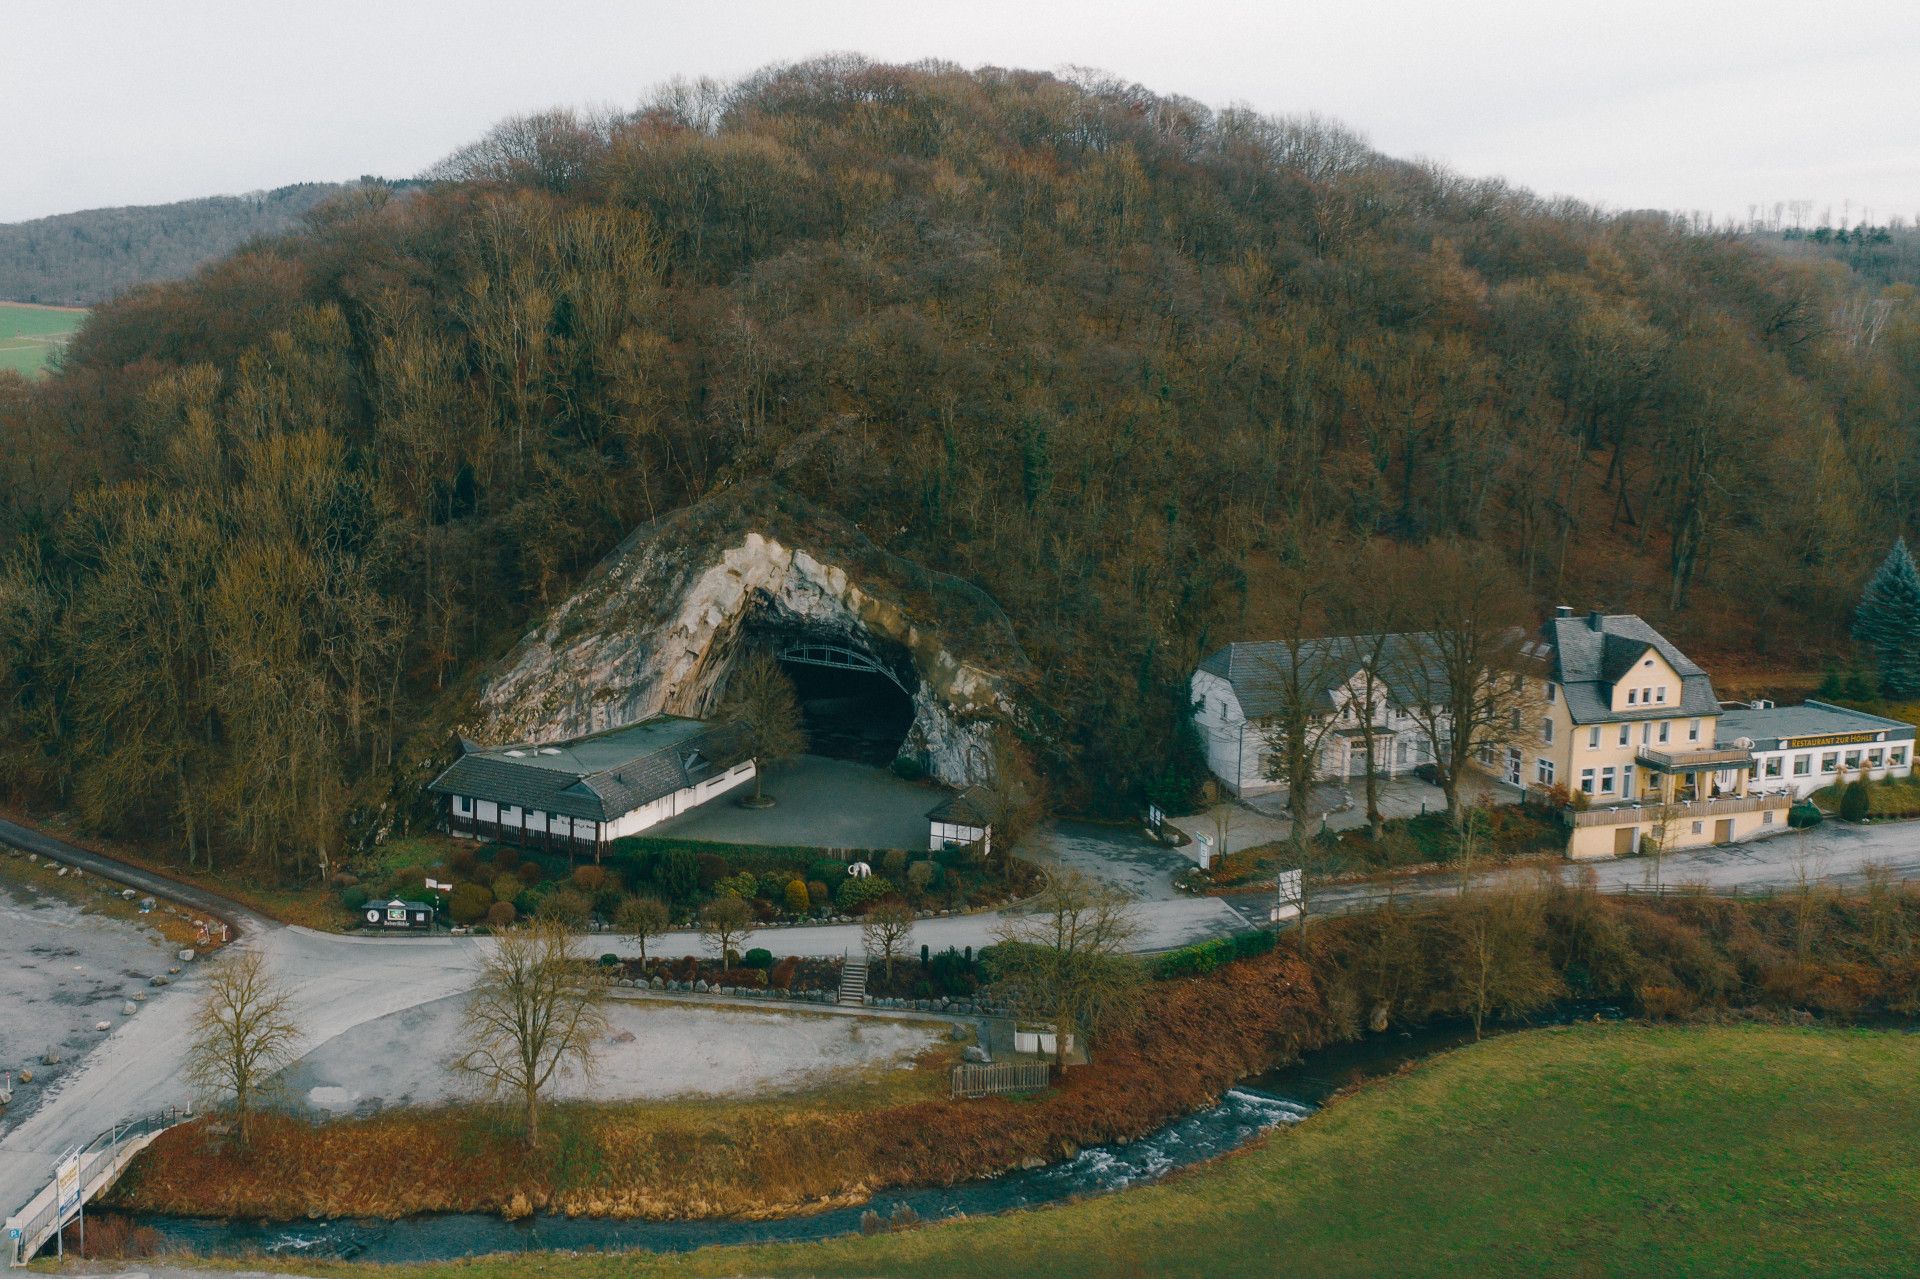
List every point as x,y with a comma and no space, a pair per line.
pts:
62,971
654,1050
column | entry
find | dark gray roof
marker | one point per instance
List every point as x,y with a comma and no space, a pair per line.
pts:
1770,726
601,777
967,808
1259,672
1587,663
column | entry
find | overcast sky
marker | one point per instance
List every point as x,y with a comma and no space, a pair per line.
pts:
1679,104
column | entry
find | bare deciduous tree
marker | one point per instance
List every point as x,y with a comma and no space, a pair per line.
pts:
886,930
1497,959
536,1014
243,1033
640,920
725,924
761,704
1066,960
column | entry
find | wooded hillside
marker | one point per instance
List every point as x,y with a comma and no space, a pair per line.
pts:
1105,354
82,259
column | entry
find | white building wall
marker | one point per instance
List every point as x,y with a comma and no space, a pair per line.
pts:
506,815
1824,764
1236,748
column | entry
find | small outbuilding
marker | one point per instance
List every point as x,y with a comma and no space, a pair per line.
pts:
397,916
961,821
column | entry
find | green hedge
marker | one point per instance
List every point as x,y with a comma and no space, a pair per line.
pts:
1204,957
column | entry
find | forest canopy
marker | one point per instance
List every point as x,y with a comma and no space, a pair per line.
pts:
1109,355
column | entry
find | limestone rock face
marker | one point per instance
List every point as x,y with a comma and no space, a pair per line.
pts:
657,625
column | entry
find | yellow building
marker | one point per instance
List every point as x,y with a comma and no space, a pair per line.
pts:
1626,734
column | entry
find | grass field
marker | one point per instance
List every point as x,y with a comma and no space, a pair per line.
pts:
1591,1150
29,334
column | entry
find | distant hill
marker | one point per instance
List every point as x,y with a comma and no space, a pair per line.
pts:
80,259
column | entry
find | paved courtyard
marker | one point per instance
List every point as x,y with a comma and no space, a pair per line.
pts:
1262,819
830,803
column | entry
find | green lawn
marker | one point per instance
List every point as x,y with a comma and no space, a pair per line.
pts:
29,334
1592,1150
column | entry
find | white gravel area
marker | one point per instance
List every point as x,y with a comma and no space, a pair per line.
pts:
654,1050
63,971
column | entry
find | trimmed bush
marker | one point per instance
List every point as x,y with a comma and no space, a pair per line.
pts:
507,887
677,874
506,860
353,898
799,901
1855,802
758,957
589,879
501,915
855,894
1204,957
469,903
819,894
710,868
920,877
1803,814
564,905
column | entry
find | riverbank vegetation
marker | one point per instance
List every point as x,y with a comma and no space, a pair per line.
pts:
1110,357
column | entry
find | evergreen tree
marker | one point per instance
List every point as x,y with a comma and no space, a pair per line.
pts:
1888,622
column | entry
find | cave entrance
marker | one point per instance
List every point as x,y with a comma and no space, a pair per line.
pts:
853,707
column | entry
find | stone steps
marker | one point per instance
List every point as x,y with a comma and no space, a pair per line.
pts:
853,982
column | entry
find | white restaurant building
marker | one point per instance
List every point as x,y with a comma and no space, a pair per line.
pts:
1804,748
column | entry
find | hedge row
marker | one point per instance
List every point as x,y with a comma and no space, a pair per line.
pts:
1204,957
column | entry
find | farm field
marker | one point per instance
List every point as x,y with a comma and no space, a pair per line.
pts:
29,334
1591,1150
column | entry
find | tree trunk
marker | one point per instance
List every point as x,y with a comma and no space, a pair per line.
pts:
533,1119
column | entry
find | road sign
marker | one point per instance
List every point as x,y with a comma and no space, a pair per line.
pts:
66,1186
1290,896
1155,818
436,886
1204,846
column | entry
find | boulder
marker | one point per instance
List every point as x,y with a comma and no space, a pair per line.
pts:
129,1008
958,1033
103,1025
187,954
976,1054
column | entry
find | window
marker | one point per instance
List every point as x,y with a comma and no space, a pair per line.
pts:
1875,757
1766,818
1626,733
1646,733
1827,762
1543,771
1699,827
1593,738
1660,693
1553,691
1515,718
1664,726
1802,765
1606,781
1486,753
1771,766
1546,730
1853,760
1586,780
1897,756
1693,730
1633,696
1626,781
462,804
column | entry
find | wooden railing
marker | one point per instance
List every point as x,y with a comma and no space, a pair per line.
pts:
999,1079
1650,810
1719,757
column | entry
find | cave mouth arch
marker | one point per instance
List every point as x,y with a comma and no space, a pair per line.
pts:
854,688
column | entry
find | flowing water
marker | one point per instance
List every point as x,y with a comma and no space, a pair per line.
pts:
1283,1096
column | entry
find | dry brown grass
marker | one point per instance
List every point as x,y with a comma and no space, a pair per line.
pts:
771,1157
95,896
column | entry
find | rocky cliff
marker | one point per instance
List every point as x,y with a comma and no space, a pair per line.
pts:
656,626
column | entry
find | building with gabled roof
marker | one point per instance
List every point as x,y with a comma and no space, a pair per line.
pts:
1237,690
582,793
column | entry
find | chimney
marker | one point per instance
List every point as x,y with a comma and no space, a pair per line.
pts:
1595,618
1563,610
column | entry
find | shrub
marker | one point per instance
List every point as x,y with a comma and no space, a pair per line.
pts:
741,885
1204,957
564,905
677,874
920,877
894,862
353,898
782,974
758,957
908,769
799,901
826,870
506,860
819,895
855,893
1663,1003
501,915
1855,802
609,960
589,879
461,862
507,887
710,868
469,903
1803,814
951,974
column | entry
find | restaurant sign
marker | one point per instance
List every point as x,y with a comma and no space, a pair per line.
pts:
1831,739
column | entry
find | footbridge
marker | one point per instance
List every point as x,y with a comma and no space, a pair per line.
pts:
838,657
81,1174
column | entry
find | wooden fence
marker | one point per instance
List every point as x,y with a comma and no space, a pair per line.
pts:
1000,1079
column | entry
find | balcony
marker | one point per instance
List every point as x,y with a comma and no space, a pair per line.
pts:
1717,757
1651,810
